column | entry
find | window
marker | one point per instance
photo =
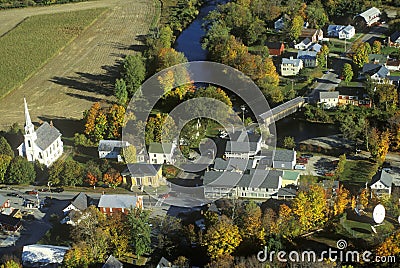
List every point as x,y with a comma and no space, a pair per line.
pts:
29,143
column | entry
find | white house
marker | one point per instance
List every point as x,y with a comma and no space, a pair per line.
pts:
161,153
333,30
304,44
284,159
260,184
329,99
367,18
309,58
377,72
43,255
112,149
243,144
44,144
77,205
290,67
381,183
347,32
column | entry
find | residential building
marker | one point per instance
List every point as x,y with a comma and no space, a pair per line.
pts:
109,204
304,44
381,183
393,65
259,183
143,174
219,184
329,99
290,178
43,145
43,255
284,159
377,72
347,32
378,59
291,67
78,204
394,39
112,149
243,144
357,96
367,18
112,262
238,165
315,47
275,48
161,153
333,30
314,35
309,58
4,203
285,193
394,79
279,24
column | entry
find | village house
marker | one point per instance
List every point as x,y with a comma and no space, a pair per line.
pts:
275,48
328,99
394,39
238,165
285,193
112,262
279,24
291,67
219,184
290,178
309,58
381,183
161,153
112,149
377,72
259,183
284,159
243,144
315,47
315,35
393,65
354,96
341,31
43,145
109,204
143,174
367,18
304,44
78,204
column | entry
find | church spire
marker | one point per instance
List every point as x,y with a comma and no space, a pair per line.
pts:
29,128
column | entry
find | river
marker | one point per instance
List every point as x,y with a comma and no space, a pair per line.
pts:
189,42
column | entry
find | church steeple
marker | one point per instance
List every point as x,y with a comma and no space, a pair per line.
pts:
29,128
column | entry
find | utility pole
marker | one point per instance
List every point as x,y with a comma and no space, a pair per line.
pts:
243,109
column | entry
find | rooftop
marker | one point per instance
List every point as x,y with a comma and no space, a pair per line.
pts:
142,170
42,254
370,13
232,164
295,62
112,145
285,155
306,54
80,201
384,177
118,201
160,148
46,135
328,95
112,262
218,178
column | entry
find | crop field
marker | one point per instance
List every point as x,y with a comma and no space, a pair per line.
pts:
37,39
83,71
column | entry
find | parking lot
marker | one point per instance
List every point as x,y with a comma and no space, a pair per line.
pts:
319,165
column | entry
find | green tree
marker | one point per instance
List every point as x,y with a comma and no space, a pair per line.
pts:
20,171
360,56
168,57
376,47
294,27
5,147
129,154
5,161
289,143
120,91
134,72
11,264
387,96
347,73
138,224
341,165
72,173
322,56
316,15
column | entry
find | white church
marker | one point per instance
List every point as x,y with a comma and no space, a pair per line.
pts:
43,145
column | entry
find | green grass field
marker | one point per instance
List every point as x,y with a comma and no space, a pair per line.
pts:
359,171
27,47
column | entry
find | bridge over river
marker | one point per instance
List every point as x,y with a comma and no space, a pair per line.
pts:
282,110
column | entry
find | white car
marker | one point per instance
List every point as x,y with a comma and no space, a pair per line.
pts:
300,167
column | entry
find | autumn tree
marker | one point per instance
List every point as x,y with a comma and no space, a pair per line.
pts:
322,56
118,234
139,231
394,122
5,147
387,96
294,27
222,238
363,198
389,247
129,154
341,165
112,178
93,172
5,161
376,47
379,143
78,256
289,143
20,171
168,57
342,201
347,73
120,91
11,264
66,172
360,56
249,224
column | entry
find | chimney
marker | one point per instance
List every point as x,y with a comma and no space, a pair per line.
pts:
51,123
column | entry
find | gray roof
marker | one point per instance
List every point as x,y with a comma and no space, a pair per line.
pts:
328,95
294,62
217,178
46,135
384,177
260,178
232,164
348,28
164,263
80,201
334,29
284,155
372,69
394,78
142,170
395,37
158,148
286,192
112,262
306,54
316,47
3,199
117,201
241,147
377,58
112,145
373,11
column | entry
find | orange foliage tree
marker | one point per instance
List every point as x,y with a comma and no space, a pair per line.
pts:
112,178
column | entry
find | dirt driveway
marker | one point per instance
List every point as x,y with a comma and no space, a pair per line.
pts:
79,75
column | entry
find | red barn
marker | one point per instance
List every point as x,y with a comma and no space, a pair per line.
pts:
275,48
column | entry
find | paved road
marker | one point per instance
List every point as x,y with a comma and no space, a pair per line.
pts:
327,82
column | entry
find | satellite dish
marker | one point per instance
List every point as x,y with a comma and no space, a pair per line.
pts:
398,219
379,213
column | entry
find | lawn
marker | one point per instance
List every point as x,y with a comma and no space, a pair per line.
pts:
388,50
26,48
358,171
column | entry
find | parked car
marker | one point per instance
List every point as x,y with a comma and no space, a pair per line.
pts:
13,194
32,192
302,160
300,167
57,190
307,155
329,174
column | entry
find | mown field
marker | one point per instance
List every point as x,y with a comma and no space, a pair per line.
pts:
37,39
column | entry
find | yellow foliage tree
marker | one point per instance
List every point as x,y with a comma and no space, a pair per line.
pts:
342,200
389,247
364,198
